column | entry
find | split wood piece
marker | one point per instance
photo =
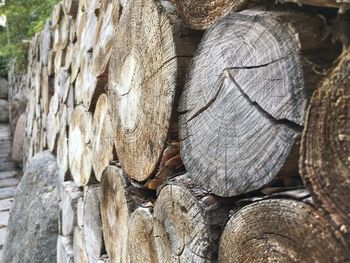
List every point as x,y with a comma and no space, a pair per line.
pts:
188,221
57,13
79,247
343,5
124,2
87,31
104,259
144,82
59,60
79,149
62,84
262,232
65,253
76,61
91,5
91,86
69,56
70,103
245,98
325,151
201,14
70,7
141,241
92,223
62,155
61,33
102,139
30,112
80,212
119,198
18,139
46,91
106,29
51,63
46,44
52,124
69,195
73,31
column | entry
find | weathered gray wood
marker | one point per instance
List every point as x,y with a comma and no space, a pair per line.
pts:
65,253
325,151
19,139
69,196
343,5
245,98
262,232
187,222
92,231
144,82
79,247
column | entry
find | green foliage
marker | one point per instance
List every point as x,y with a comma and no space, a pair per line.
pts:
24,19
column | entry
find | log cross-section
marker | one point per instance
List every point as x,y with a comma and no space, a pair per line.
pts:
280,231
325,151
144,81
245,98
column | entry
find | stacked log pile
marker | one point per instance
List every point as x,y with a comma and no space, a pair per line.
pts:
177,127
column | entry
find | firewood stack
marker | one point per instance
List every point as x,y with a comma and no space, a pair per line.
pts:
196,131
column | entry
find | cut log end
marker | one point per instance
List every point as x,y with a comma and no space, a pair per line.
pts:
262,232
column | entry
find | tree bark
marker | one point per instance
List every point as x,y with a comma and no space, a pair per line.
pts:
262,232
144,82
102,139
244,102
92,223
327,135
79,149
141,241
201,14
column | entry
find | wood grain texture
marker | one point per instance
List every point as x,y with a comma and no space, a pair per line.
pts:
116,208
141,241
119,198
245,98
92,223
102,138
79,148
187,223
65,253
106,29
79,246
69,195
199,14
144,82
325,152
262,232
